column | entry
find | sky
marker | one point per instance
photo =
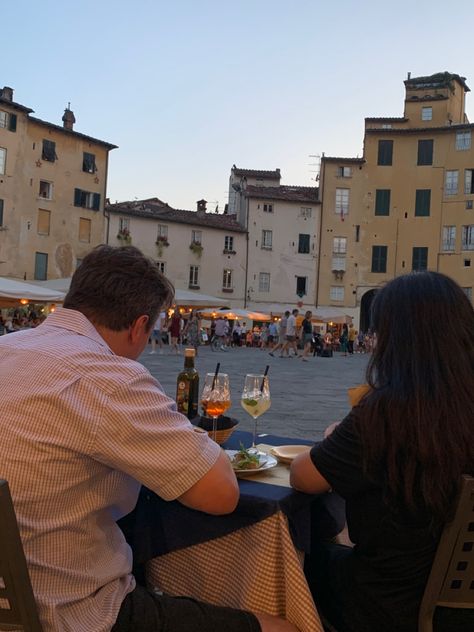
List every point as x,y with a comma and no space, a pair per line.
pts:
188,88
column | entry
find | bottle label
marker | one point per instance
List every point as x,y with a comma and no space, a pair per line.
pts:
182,397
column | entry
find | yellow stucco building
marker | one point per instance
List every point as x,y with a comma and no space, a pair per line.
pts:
407,204
52,192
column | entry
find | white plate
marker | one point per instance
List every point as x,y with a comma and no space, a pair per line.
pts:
266,462
286,453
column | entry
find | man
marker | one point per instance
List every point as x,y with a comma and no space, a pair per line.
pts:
291,334
281,335
156,335
352,338
82,426
222,328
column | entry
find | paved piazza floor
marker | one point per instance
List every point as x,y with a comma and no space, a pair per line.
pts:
306,396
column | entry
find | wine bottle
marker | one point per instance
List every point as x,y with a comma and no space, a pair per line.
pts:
187,386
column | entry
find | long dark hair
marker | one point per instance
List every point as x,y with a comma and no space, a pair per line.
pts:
418,420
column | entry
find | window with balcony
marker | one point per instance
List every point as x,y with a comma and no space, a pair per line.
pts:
339,245
449,239
162,231
227,279
422,202
379,259
451,182
385,153
87,199
7,121
425,152
382,202
303,243
336,293
88,163
419,258
49,151
46,190
463,141
41,266
264,282
194,277
267,238
196,236
44,222
85,226
124,224
467,239
342,202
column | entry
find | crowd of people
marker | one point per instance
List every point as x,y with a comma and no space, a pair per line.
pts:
84,424
18,319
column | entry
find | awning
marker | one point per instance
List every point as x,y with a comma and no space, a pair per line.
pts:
14,290
235,314
331,315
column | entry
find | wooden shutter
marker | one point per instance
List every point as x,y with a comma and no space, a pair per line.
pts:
41,266
425,152
85,229
12,123
78,197
382,202
96,202
422,202
44,222
385,153
379,259
420,258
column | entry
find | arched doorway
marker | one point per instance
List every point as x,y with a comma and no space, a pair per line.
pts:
365,305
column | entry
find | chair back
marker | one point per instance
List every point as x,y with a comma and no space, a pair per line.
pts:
451,581
17,603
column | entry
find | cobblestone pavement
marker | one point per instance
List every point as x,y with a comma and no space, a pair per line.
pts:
306,396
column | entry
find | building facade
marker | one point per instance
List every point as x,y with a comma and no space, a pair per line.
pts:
196,250
406,205
52,191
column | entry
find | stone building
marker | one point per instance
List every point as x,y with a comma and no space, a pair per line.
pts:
407,204
53,182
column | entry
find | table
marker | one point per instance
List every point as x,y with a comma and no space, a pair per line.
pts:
249,559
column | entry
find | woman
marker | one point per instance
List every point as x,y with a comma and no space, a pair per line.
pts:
174,329
307,335
343,340
192,331
397,458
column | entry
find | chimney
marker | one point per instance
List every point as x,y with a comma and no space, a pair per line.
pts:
7,94
201,207
68,118
408,76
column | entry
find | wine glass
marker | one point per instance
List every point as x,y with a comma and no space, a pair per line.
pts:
255,399
215,398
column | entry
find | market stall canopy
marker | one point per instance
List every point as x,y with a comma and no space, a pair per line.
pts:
13,290
235,314
331,315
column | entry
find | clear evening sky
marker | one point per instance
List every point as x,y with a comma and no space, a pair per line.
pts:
187,88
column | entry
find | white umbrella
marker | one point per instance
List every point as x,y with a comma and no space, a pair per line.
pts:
234,314
17,290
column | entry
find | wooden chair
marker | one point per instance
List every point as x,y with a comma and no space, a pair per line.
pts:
17,603
451,581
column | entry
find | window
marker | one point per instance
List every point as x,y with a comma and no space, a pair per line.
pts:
196,236
385,153
338,263
342,201
229,243
227,279
467,263
468,292
85,229
300,286
419,259
267,239
463,141
379,259
468,181
46,190
336,293
339,245
8,121
451,182
426,114
194,276
467,239
49,151
41,266
382,202
3,160
268,208
386,126
1,212
357,235
422,202
88,163
425,152
344,172
161,266
449,239
303,243
264,282
306,212
469,205
86,199
44,222
163,231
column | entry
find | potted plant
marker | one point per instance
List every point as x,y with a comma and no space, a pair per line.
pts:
124,236
161,242
197,248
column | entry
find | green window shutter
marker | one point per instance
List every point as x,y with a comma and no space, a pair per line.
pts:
12,123
78,197
419,258
96,202
1,212
422,202
425,152
379,259
382,202
385,153
303,243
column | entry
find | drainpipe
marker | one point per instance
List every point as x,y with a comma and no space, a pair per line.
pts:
321,197
246,254
106,213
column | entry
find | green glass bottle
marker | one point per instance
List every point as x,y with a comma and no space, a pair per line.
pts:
187,386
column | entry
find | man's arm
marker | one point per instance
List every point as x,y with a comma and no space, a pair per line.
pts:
217,492
304,476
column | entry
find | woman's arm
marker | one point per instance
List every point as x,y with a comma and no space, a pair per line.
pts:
304,477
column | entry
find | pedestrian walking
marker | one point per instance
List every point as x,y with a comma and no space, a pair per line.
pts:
281,335
306,335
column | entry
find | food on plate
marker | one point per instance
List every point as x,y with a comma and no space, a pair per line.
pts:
245,460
